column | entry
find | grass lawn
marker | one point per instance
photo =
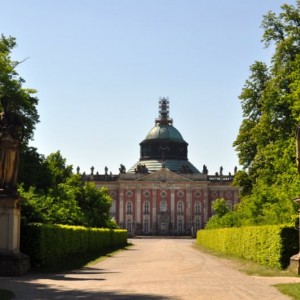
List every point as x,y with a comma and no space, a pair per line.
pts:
6,295
290,289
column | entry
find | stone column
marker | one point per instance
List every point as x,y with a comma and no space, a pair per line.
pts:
12,261
172,209
138,205
188,209
154,212
121,208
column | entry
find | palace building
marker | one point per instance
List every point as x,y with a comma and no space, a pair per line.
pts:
163,193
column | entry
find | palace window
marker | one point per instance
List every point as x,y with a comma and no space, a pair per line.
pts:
163,205
180,194
146,226
146,194
180,226
180,207
129,194
197,194
113,207
129,208
197,207
198,224
129,225
146,207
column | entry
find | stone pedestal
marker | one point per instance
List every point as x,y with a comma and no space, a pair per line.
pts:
12,261
295,263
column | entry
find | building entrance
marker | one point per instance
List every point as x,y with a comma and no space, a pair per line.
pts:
163,224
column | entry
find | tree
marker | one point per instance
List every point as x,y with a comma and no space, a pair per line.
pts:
18,116
271,111
65,199
223,216
13,96
58,169
33,170
220,207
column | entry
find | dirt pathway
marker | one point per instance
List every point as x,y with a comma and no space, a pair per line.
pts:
150,269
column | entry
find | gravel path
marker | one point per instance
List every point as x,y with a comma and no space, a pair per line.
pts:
150,269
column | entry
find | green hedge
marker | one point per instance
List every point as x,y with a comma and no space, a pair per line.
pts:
270,245
48,244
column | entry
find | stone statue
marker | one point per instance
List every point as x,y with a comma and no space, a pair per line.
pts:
78,170
92,170
221,170
122,169
141,168
106,170
185,169
298,148
11,136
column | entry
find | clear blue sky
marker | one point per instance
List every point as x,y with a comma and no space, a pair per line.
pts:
100,67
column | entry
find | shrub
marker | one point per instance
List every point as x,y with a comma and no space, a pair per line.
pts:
271,245
48,244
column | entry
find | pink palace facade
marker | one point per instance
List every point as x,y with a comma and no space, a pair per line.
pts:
164,193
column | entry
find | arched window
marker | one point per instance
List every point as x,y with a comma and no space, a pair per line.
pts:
163,205
113,207
197,207
146,207
180,207
129,208
198,224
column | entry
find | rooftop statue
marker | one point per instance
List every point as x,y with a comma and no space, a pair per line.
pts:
122,169
11,136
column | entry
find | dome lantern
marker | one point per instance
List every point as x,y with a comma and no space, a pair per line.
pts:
163,112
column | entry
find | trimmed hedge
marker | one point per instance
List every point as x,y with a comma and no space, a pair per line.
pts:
270,245
48,244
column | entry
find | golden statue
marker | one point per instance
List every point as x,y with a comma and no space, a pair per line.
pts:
11,135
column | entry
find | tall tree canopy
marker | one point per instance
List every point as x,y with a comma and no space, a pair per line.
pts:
265,143
18,116
271,110
13,97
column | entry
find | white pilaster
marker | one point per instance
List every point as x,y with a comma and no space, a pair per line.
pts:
121,207
205,210
172,207
138,205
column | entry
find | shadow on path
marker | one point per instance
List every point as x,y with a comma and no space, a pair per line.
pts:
50,286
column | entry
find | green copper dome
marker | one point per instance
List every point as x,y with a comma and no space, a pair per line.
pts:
164,132
163,146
